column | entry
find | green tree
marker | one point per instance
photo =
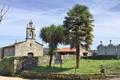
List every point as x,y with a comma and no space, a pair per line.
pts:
78,29
53,35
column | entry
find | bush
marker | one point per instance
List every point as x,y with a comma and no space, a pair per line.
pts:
102,57
53,76
7,66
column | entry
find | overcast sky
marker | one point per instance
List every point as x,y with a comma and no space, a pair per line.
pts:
106,14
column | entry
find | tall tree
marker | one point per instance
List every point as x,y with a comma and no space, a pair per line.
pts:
78,29
53,35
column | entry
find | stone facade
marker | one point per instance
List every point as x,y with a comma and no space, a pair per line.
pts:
23,48
29,46
83,51
109,49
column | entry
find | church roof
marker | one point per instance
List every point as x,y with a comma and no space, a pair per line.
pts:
101,45
12,45
111,45
39,43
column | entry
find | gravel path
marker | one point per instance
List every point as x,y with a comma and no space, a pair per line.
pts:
11,78
17,78
115,79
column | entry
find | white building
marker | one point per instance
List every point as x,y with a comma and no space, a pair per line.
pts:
109,49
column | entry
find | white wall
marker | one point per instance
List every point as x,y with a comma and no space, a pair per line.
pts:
101,50
118,50
111,50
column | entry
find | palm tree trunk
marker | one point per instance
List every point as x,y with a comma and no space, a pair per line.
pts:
50,61
60,61
77,56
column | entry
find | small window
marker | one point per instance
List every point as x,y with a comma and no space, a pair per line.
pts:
30,44
30,54
85,54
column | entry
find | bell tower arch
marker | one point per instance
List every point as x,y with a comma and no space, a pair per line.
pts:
30,31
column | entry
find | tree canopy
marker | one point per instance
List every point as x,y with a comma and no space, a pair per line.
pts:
53,35
78,23
78,28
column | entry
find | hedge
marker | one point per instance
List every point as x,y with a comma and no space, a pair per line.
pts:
7,66
53,76
102,57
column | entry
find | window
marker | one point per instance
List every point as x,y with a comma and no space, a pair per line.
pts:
30,55
85,54
30,44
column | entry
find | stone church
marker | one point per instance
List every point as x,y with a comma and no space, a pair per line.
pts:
24,48
109,49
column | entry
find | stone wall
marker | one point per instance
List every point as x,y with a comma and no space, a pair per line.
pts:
30,46
9,51
43,60
24,63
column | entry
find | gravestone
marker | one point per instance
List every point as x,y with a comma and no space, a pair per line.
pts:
57,59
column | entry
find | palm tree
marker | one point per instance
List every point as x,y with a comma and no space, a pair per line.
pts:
53,35
78,29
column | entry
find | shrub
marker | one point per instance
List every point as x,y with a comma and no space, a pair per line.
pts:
102,57
7,66
52,76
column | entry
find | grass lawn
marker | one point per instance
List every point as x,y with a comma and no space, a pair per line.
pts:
86,66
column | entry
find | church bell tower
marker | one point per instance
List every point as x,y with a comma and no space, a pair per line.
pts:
30,31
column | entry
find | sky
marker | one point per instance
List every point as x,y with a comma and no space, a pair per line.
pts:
106,15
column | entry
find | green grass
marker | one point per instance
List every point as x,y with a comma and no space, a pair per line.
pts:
86,67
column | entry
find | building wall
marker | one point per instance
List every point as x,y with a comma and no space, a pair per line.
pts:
82,51
9,51
108,50
30,46
0,52
118,50
111,50
101,50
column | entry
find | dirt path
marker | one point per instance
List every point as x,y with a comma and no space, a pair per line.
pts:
17,78
115,79
11,78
